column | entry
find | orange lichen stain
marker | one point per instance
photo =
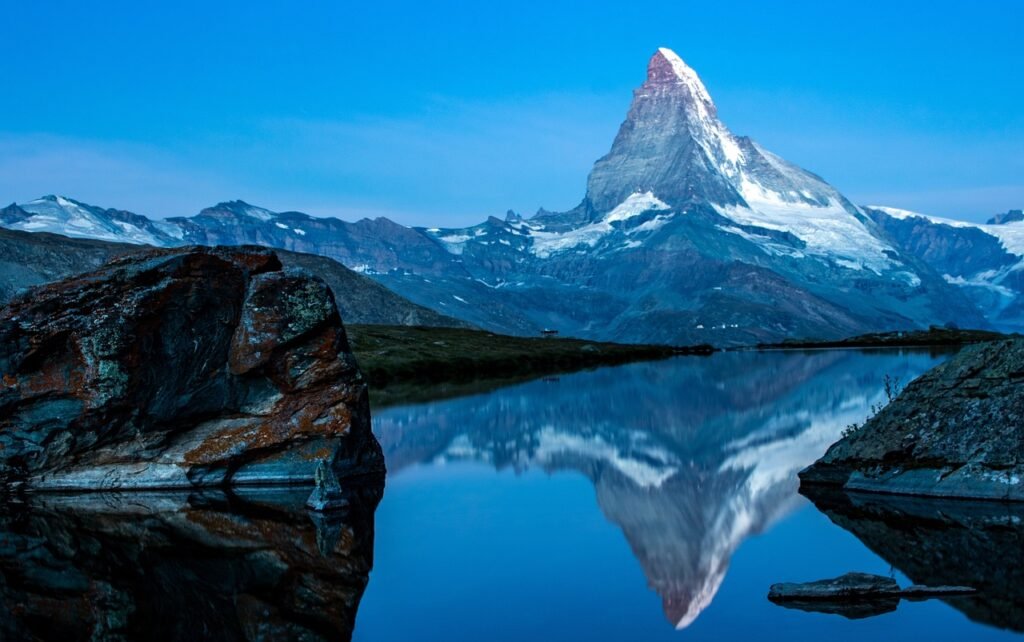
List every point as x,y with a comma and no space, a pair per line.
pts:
281,428
10,380
319,454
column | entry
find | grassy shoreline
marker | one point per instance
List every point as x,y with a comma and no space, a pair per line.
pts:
933,337
410,362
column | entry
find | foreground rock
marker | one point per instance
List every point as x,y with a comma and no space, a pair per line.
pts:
178,368
957,431
184,566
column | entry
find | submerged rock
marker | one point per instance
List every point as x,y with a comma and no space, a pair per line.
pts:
178,368
957,431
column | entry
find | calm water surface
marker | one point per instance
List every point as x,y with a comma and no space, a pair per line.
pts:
658,501
647,502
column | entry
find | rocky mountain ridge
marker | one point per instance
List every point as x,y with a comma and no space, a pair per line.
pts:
984,260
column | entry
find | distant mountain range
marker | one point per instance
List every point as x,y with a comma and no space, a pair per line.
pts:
32,259
687,233
986,261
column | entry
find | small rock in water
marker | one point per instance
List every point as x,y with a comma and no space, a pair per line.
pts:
327,495
851,586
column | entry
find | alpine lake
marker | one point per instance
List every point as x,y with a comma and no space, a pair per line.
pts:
651,501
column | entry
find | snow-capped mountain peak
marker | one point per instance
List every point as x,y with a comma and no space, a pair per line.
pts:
673,145
667,69
61,215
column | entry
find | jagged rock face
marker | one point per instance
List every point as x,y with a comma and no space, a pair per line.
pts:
956,431
1012,216
957,251
670,135
176,368
169,566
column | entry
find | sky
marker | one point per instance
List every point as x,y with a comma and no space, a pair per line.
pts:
442,113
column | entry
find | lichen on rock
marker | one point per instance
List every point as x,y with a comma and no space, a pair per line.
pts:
176,368
956,431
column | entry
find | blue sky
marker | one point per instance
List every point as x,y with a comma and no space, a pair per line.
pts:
443,113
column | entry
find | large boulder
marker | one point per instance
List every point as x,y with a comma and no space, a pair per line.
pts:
956,431
178,368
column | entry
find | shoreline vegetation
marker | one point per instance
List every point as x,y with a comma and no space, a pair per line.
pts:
412,363
409,364
932,337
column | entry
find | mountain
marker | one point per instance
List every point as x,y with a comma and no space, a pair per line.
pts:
68,217
986,261
687,233
32,259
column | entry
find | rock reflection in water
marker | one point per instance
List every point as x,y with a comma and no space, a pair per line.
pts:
943,542
256,566
689,457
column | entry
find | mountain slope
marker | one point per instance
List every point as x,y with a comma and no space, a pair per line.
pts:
687,234
985,261
28,260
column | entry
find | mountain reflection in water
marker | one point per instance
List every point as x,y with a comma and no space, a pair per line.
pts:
171,566
689,457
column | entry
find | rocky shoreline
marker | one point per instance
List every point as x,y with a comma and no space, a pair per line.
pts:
956,431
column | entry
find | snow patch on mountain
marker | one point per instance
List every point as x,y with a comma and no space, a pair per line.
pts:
635,205
828,230
984,280
258,213
454,243
906,214
546,243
